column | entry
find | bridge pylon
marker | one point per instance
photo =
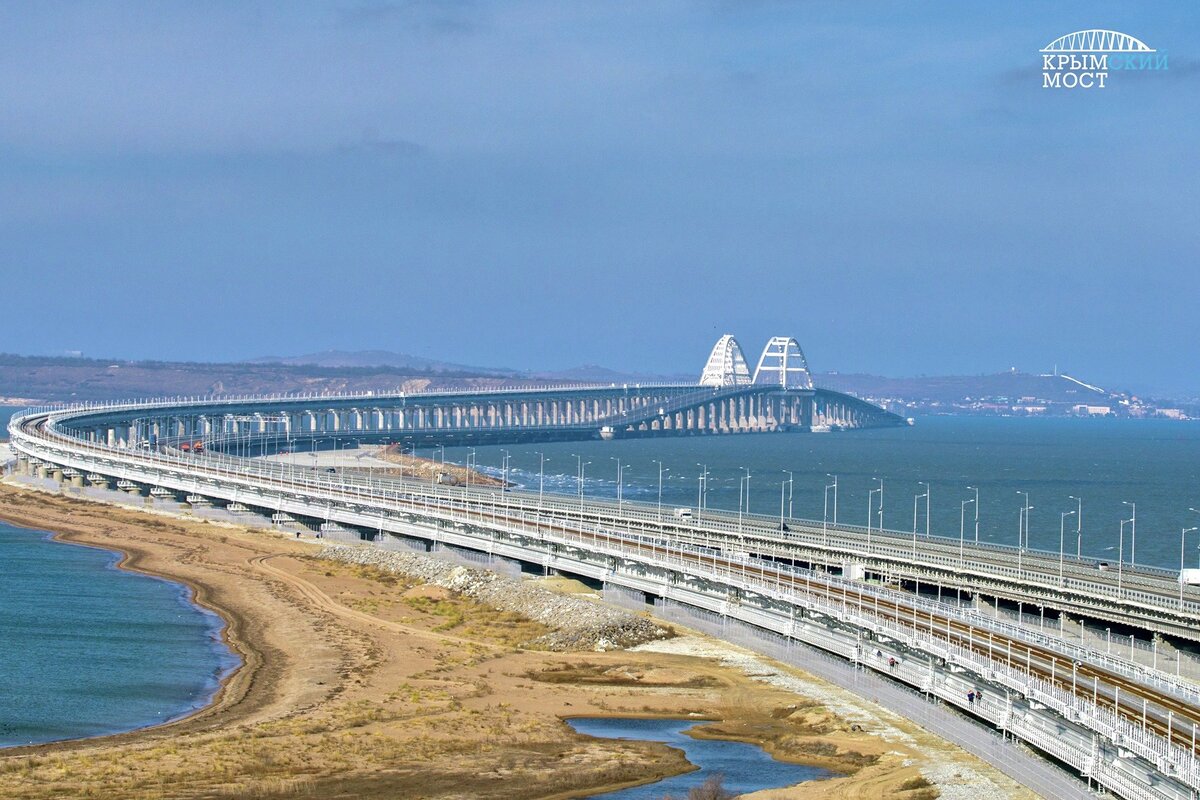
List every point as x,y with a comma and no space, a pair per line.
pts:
726,365
783,363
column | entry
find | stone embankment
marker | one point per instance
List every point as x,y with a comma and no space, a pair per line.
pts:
577,622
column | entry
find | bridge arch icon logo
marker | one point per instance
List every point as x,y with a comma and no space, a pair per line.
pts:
1083,59
1097,41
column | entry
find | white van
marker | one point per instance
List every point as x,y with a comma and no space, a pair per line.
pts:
683,513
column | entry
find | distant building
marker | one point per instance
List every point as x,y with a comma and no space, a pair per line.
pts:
1091,411
1171,413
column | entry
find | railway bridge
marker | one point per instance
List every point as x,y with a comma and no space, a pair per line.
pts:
778,397
1118,723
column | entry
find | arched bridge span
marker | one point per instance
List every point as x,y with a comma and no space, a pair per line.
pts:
519,415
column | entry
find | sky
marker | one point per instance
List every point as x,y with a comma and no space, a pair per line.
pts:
541,185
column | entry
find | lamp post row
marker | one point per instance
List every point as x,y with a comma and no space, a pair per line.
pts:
874,509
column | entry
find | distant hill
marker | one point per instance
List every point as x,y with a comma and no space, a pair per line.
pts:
591,373
377,358
1000,387
37,379
587,373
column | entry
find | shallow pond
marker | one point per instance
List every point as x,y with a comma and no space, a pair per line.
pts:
745,767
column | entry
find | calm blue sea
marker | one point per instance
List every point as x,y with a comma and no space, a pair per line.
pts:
87,649
1152,463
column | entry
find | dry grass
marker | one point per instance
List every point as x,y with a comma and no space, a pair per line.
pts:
632,674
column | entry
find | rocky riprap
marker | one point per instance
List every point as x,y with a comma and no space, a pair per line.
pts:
576,623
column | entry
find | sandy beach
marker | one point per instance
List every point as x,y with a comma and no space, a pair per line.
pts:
361,683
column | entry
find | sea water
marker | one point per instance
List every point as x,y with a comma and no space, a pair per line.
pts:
87,649
1154,464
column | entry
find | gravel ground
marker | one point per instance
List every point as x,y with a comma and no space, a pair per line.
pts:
577,622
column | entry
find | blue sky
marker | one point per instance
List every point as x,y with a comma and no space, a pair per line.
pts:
542,185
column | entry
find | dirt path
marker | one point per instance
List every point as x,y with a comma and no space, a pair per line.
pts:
323,601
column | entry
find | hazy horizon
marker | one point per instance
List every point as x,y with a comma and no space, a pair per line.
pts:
436,365
556,185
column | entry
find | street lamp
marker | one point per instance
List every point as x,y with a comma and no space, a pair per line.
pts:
1022,530
1078,526
342,460
1062,527
660,485
1132,531
701,489
747,491
433,470
1023,523
917,497
1121,555
928,519
871,510
620,468
825,513
541,477
582,469
788,484
880,509
743,496
962,523
835,492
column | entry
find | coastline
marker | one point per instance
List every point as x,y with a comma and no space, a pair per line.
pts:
192,593
228,656
231,685
440,688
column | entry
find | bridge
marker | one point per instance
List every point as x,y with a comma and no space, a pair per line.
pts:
778,397
922,611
